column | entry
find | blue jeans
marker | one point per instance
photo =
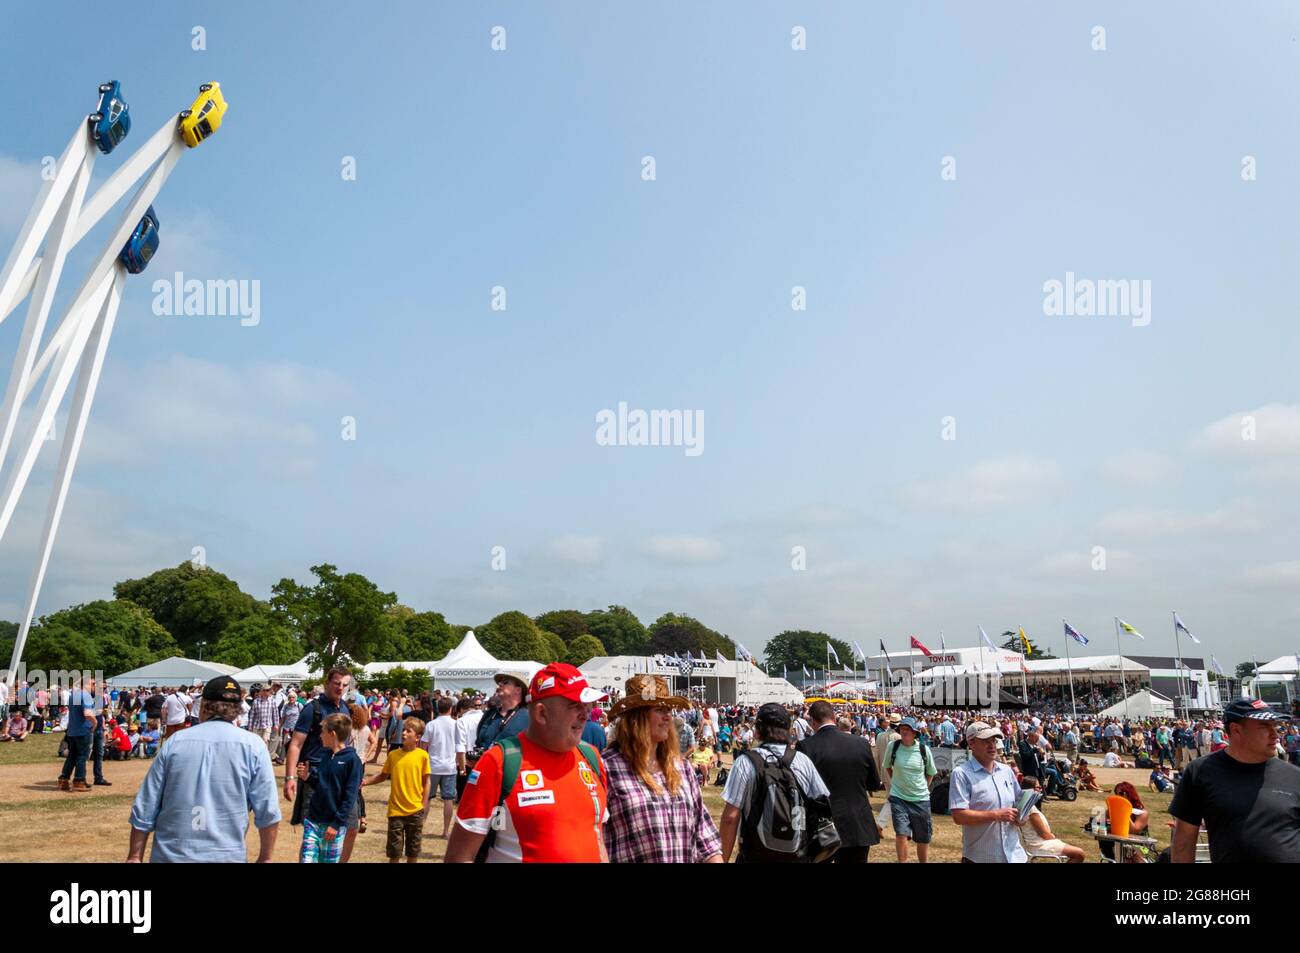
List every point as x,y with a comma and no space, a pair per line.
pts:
1053,776
75,766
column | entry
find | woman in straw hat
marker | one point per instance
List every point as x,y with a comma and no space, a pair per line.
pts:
656,807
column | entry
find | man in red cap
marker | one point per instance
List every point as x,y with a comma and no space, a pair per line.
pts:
538,798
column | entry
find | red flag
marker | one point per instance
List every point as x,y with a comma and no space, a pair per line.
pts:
916,644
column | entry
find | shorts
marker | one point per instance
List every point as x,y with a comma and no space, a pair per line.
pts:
1053,847
444,785
315,848
911,819
405,831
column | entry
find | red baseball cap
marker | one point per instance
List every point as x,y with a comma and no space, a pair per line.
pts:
559,680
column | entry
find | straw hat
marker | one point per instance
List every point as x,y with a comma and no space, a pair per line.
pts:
647,691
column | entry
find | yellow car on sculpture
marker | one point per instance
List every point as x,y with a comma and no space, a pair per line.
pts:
204,117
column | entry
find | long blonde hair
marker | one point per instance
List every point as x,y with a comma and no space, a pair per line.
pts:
635,744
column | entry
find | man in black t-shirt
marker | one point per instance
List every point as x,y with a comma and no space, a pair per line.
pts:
1248,798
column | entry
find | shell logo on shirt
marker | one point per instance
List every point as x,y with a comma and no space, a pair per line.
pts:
531,779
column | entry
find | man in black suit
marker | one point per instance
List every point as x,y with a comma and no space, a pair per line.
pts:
847,764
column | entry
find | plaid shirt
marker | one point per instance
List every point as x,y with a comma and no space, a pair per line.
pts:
656,829
263,713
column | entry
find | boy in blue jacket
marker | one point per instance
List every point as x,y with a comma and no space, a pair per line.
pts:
334,793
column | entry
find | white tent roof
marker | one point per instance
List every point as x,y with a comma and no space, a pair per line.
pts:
171,671
469,654
1143,704
266,674
1281,665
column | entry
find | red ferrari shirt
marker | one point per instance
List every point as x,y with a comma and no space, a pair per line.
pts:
553,815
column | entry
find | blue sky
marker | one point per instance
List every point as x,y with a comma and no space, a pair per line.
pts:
775,168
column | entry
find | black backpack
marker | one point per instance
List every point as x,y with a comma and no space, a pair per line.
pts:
770,832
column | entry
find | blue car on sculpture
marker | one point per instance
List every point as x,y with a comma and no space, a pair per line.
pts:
142,244
111,120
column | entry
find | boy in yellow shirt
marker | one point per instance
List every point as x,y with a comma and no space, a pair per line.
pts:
408,796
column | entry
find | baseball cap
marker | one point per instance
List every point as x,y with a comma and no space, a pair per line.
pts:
560,680
1255,710
223,688
982,731
773,714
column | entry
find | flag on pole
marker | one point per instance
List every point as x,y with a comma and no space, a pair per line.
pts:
1129,629
805,671
721,657
916,644
1218,669
942,647
743,653
1178,624
784,674
987,641
889,668
1025,641
686,665
833,654
1075,634
858,649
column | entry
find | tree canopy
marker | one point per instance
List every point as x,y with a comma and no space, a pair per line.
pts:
258,639
619,631
583,649
794,649
109,636
339,619
1011,640
195,604
513,636
673,634
568,624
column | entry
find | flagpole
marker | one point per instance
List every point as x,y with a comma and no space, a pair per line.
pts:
1122,684
1178,647
1024,674
1069,668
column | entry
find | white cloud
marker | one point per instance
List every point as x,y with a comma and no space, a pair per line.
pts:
993,483
1137,468
277,410
1276,429
1148,523
1283,575
683,549
583,550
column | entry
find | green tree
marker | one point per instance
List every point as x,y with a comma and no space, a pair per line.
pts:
568,624
1011,640
257,640
555,647
412,680
415,636
672,633
514,637
619,631
794,649
583,649
192,603
1245,670
111,636
341,618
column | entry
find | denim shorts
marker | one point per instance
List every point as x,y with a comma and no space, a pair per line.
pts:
444,785
911,819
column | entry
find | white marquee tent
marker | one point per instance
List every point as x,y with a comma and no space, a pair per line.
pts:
1144,704
171,671
467,666
293,674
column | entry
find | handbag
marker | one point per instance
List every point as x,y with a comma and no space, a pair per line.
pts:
823,838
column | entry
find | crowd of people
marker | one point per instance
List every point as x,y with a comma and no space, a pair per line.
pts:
551,769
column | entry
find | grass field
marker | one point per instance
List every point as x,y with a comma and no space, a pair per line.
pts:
41,823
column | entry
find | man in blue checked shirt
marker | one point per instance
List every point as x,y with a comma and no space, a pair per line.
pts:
198,792
982,799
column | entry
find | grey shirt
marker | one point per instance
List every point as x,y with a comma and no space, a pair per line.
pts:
741,779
